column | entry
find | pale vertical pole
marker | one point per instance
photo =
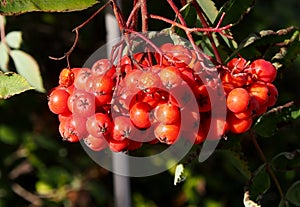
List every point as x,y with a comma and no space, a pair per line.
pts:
122,192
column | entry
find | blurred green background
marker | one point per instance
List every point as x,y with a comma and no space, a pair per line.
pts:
38,169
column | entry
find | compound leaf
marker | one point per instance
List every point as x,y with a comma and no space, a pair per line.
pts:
14,39
269,123
27,66
12,84
15,7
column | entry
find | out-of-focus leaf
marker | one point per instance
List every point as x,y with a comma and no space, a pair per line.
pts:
271,121
239,161
292,195
12,84
27,66
4,57
2,20
210,9
286,161
234,11
43,188
259,183
8,135
14,39
16,7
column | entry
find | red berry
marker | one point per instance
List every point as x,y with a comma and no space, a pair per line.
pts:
260,91
167,113
140,116
263,70
238,100
167,133
99,125
170,77
66,77
122,128
83,79
238,126
94,143
58,101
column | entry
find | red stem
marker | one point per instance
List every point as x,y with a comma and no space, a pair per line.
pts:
132,19
205,24
145,15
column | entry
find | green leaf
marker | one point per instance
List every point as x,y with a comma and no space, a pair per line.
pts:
293,193
259,44
189,14
286,161
4,57
14,39
12,84
27,66
14,7
269,123
209,8
238,160
234,11
259,183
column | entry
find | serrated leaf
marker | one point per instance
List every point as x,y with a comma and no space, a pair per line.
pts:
210,9
14,39
285,161
179,174
249,48
4,57
259,183
15,7
238,160
12,84
293,193
234,11
27,66
269,123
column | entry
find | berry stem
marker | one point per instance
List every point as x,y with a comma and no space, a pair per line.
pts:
144,15
76,30
268,167
132,18
204,22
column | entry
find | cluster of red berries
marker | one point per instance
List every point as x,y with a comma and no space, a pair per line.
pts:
148,98
249,91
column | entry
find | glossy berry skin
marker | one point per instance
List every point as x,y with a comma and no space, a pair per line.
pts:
237,65
95,143
140,116
238,100
260,91
263,70
170,77
122,128
99,125
167,133
58,101
167,113
236,125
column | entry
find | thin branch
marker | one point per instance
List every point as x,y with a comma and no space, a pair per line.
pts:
268,167
76,30
132,18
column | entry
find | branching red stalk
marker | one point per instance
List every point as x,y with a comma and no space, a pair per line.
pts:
145,16
205,24
132,18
